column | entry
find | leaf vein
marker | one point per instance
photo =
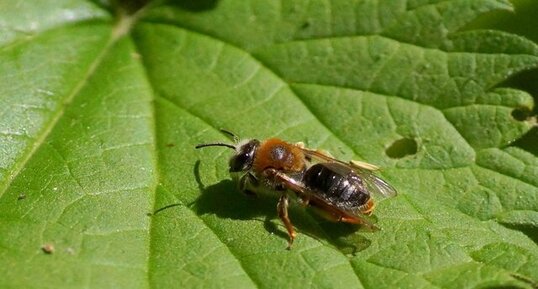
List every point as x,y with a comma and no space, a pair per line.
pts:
42,136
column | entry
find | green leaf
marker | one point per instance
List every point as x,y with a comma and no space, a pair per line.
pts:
101,107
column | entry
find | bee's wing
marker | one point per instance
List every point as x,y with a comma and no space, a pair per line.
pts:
374,184
325,157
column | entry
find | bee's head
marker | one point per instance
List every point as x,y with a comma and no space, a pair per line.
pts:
244,152
244,155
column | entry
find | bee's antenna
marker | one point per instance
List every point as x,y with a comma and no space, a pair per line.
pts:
218,144
233,135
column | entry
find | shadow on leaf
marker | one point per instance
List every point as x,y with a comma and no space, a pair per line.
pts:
224,200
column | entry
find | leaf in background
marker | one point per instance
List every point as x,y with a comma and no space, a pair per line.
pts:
100,117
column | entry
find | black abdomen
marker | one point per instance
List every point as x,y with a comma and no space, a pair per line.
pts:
337,184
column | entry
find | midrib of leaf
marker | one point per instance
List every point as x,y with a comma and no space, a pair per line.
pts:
232,252
121,29
153,188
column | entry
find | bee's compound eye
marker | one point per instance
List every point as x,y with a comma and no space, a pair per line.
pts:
242,161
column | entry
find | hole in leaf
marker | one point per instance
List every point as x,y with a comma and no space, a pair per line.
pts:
521,113
401,148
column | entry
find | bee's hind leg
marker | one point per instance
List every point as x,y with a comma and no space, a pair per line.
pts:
282,209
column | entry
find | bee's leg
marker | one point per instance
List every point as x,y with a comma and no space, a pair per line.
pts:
334,214
328,211
293,185
282,209
304,201
244,182
290,184
250,193
368,208
286,181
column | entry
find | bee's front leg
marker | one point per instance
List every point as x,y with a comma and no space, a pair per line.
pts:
245,182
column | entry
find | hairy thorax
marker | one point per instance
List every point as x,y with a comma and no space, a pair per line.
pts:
277,154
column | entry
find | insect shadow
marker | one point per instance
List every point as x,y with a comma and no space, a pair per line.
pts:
226,201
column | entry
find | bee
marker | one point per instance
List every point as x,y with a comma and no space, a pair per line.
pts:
340,191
